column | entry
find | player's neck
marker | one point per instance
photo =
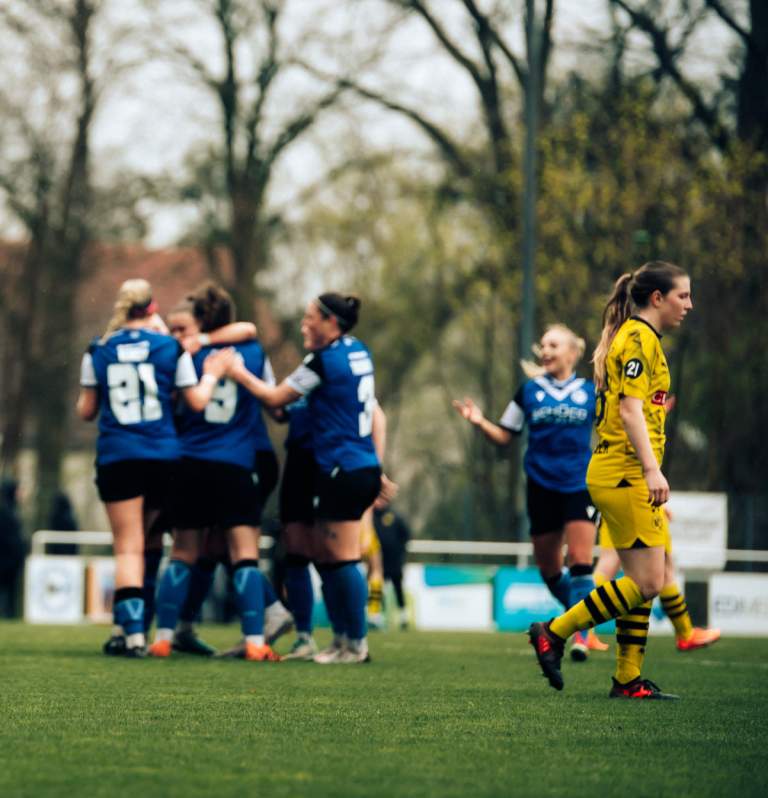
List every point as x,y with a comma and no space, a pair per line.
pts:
650,315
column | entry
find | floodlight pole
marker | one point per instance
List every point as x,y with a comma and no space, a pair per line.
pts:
532,92
528,298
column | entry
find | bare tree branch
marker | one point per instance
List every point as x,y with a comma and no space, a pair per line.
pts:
482,19
730,20
667,59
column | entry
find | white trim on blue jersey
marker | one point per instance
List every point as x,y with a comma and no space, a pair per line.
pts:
87,372
304,380
513,418
186,376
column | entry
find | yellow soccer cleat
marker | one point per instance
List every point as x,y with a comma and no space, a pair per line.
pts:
700,638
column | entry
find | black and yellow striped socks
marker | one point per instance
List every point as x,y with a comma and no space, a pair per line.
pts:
673,602
375,595
631,640
610,600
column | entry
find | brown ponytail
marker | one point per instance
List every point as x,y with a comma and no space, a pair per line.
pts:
631,289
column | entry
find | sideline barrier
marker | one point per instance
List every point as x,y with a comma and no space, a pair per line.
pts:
73,589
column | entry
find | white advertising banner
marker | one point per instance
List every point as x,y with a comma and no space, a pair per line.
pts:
738,603
699,529
450,597
53,589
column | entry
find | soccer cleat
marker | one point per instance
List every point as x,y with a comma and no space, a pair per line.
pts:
594,643
160,649
376,621
549,652
136,652
277,621
187,641
115,646
640,688
353,656
254,653
579,647
329,655
700,638
236,652
302,650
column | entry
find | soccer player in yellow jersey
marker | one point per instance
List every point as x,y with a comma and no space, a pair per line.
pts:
624,476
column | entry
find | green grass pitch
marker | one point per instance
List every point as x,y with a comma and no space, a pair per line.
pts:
433,715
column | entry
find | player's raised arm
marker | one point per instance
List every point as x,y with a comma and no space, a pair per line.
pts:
469,411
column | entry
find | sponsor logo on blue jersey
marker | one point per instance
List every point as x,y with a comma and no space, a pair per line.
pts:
559,418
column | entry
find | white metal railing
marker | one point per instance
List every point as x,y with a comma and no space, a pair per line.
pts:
523,551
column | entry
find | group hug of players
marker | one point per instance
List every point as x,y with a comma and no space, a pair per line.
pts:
208,465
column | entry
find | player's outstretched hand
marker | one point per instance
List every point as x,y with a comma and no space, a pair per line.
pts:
219,362
469,410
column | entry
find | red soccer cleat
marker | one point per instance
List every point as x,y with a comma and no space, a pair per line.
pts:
640,688
254,653
549,652
594,643
700,638
160,648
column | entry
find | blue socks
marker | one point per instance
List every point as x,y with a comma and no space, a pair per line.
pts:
560,587
152,559
171,593
582,582
345,592
249,596
334,601
300,594
200,584
129,610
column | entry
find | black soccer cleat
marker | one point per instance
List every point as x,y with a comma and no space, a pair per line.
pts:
549,652
136,652
115,646
640,688
188,642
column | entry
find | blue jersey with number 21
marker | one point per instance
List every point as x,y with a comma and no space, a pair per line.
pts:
339,385
136,372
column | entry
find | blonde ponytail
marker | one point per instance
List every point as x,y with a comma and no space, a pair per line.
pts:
616,312
132,297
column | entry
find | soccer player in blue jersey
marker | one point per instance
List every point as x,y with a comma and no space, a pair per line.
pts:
127,379
337,379
221,448
559,409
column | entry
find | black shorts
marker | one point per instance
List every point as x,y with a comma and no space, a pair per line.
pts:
211,493
297,487
129,479
550,510
345,495
266,471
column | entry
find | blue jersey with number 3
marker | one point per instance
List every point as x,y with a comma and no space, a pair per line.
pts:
231,428
135,372
338,381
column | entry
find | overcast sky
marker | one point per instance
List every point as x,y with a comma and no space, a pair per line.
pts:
151,120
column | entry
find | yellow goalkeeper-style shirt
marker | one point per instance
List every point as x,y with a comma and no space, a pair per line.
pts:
636,367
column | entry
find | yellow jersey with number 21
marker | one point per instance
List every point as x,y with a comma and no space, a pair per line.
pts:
636,367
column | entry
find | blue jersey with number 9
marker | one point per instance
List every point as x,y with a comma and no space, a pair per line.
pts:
231,428
338,381
135,372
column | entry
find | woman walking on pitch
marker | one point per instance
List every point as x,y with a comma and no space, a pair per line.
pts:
337,379
559,409
624,476
127,379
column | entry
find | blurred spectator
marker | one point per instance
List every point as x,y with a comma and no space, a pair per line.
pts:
13,549
394,534
62,519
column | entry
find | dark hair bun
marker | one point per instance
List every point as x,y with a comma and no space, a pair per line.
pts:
346,309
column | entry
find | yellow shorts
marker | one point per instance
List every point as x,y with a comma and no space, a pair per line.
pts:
369,540
628,519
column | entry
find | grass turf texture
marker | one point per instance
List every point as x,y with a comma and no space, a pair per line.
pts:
434,715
